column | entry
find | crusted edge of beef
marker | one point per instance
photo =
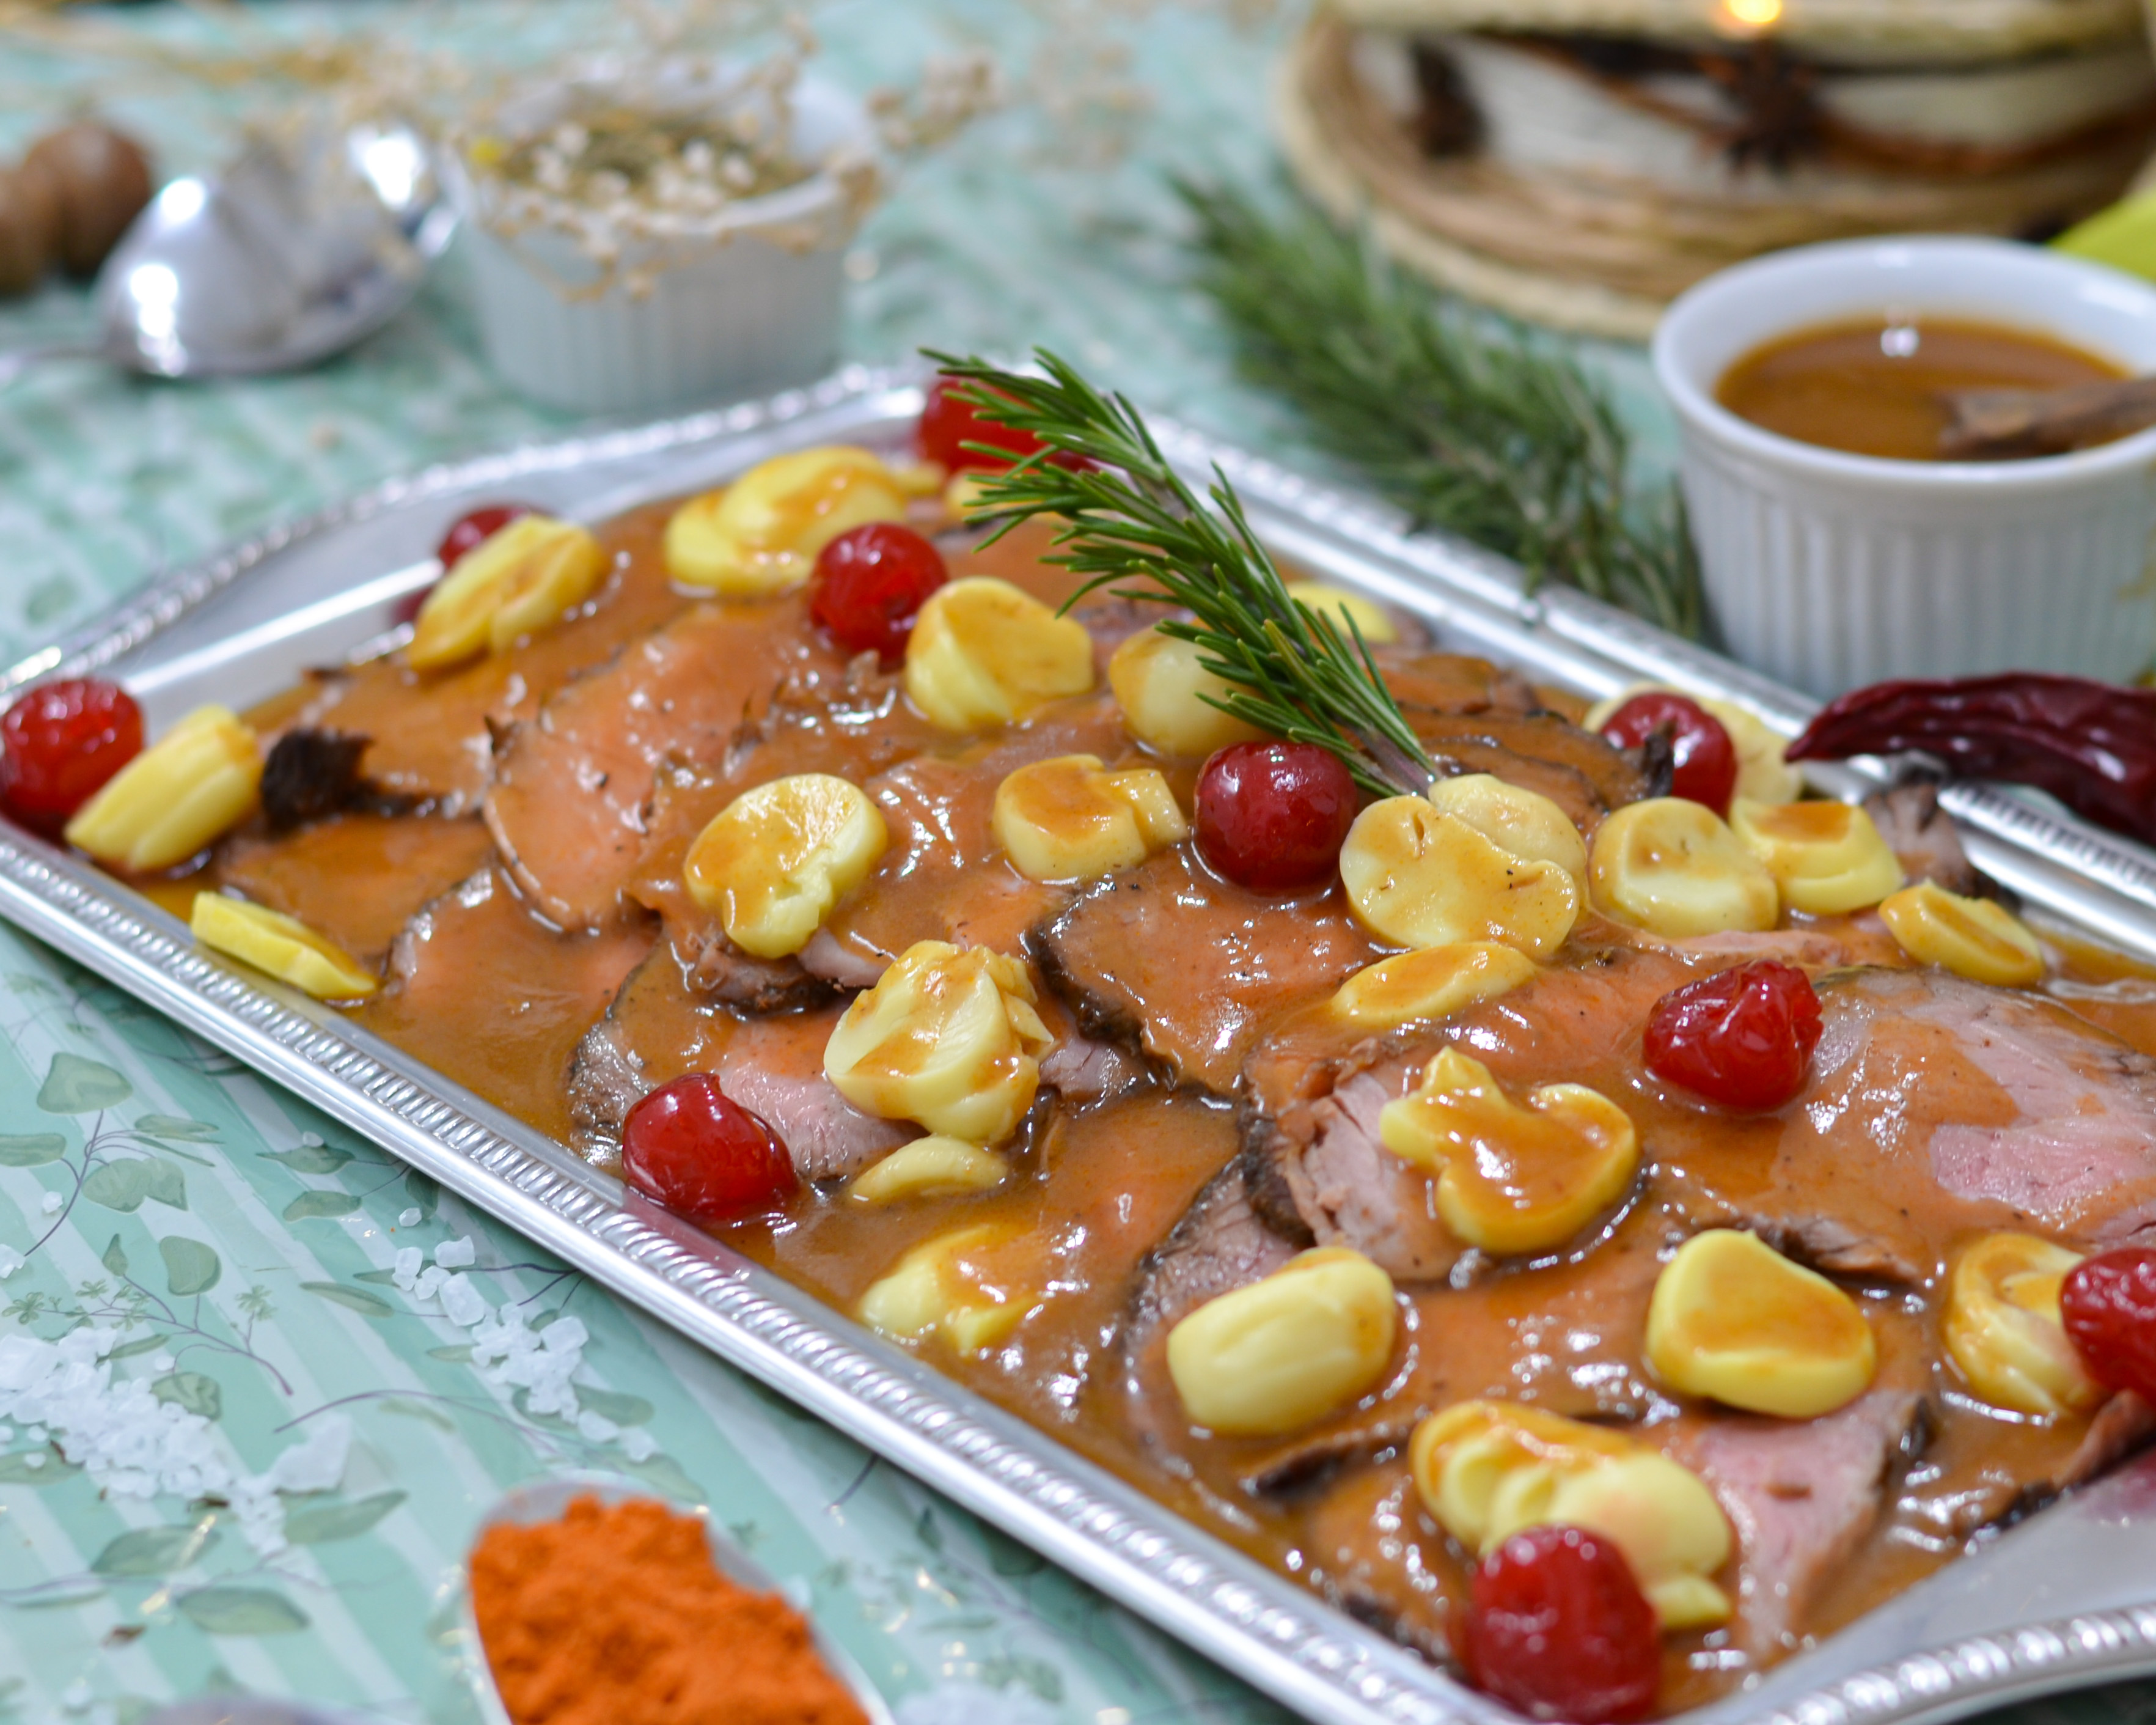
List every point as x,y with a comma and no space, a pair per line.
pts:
312,773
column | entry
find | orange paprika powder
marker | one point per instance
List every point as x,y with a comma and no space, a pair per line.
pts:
616,1615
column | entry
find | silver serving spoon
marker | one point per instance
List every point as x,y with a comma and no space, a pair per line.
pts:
292,254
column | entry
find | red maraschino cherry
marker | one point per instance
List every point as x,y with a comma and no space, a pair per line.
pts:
59,745
2108,1306
1272,816
1704,757
1558,1628
871,582
467,533
948,424
702,1155
1742,1038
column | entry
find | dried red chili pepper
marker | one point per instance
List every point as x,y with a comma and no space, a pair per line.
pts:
2091,745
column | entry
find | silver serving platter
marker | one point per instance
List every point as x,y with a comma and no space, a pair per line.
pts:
2067,1599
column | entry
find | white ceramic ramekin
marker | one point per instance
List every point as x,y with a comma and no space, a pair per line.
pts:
1831,571
742,302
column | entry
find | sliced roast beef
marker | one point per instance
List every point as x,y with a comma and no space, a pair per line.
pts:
714,967
432,736
477,943
1922,834
2050,1463
1084,1072
572,788
1189,970
659,1029
774,1068
359,879
1223,1241
2003,1100
1801,1495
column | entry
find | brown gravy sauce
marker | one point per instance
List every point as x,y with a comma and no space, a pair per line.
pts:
1873,388
1099,1187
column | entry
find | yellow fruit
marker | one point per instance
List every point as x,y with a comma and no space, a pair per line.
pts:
961,492
1972,937
1675,869
1512,1180
1070,819
179,796
960,1286
1733,1320
2003,1328
1431,984
1418,876
1825,857
1271,1357
933,1167
760,535
281,945
947,1039
1763,772
983,654
516,582
1374,622
1159,681
773,863
1487,1470
1519,821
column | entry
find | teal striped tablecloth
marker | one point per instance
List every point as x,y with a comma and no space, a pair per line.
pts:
235,1259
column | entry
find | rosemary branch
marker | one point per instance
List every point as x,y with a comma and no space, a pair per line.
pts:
1479,433
1128,516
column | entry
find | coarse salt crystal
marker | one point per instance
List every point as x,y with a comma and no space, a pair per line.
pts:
162,1361
639,1445
11,1260
566,1335
311,1139
51,1203
34,1460
463,1302
456,1254
429,1283
317,1464
404,1268
596,1428
409,1218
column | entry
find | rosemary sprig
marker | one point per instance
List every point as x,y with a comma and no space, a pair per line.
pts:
1129,517
1477,433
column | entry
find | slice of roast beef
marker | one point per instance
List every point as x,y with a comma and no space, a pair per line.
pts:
432,736
2002,1100
658,1029
1085,1073
359,879
1801,1497
572,788
460,995
715,968
1170,962
774,1068
2048,1464
1922,834
1223,1241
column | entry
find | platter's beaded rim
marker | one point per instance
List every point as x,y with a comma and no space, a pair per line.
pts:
1268,1629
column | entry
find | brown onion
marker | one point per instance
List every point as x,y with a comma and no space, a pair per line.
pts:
103,177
